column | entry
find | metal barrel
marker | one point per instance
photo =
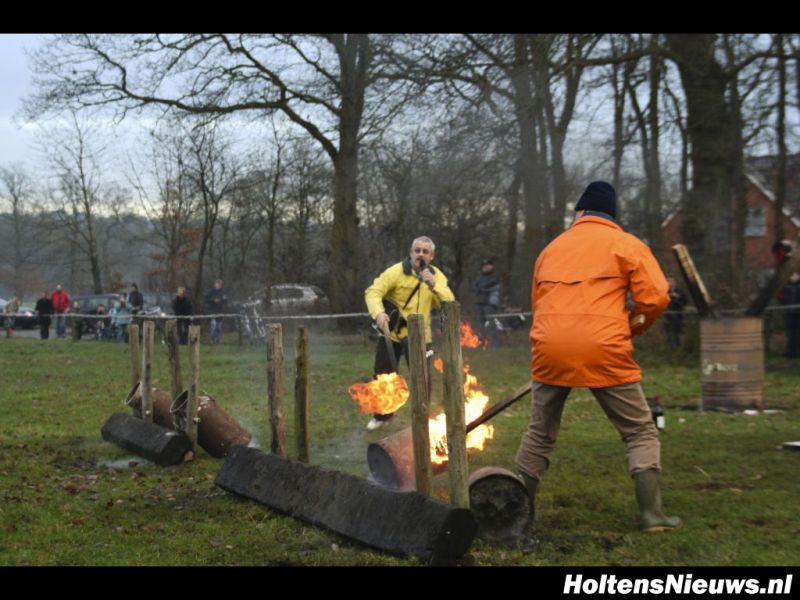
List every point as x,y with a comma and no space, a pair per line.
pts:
391,461
500,504
162,402
732,363
217,431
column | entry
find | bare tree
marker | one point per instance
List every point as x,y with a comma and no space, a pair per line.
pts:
170,208
80,194
319,82
18,248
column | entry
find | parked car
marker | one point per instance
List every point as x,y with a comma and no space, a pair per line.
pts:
293,298
28,321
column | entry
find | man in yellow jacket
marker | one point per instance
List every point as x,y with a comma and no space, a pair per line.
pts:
581,337
410,286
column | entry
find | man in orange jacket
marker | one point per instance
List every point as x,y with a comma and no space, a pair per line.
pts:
581,337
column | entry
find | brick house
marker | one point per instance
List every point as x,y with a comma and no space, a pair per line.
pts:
758,230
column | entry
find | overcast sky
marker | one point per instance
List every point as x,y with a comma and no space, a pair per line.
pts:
16,143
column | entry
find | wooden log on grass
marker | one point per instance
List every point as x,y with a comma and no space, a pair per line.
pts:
275,389
454,404
301,397
147,371
420,404
404,524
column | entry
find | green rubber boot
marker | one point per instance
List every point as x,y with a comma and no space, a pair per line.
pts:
648,497
531,483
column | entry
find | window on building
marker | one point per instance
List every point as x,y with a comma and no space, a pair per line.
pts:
756,224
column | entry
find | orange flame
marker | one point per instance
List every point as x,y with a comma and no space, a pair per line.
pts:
438,364
383,395
468,337
475,404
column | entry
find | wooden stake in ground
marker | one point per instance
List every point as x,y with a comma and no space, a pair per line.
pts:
697,289
454,404
75,328
136,353
301,396
275,389
172,342
147,371
194,385
420,403
779,279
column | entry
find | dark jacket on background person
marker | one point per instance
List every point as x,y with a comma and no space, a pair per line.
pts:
487,289
215,300
136,301
182,306
44,306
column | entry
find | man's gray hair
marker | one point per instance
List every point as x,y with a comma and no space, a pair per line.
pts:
425,239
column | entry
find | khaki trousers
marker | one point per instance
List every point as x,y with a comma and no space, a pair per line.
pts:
626,408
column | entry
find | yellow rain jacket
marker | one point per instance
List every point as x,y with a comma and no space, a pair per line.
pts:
581,333
396,284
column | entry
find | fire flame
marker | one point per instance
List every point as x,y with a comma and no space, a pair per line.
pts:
383,395
438,364
474,406
469,339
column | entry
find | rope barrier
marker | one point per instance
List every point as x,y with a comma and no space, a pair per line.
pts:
142,317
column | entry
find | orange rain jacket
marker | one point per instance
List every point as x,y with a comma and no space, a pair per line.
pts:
581,333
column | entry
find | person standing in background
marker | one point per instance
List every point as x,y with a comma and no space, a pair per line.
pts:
182,307
11,308
44,308
60,308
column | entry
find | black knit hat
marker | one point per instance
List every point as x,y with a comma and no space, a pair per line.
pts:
600,196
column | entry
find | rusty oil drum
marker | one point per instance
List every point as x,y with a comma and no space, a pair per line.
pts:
732,363
500,504
217,431
162,402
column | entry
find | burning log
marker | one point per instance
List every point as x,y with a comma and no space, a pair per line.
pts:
407,524
217,431
500,504
391,460
155,443
697,289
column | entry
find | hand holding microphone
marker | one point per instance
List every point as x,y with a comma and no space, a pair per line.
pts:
425,274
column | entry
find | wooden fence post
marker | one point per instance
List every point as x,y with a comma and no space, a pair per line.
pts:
147,371
420,403
136,353
454,404
275,389
194,385
173,353
75,327
301,396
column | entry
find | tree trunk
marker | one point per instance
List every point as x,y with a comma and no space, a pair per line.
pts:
512,196
706,226
653,192
346,293
526,109
780,184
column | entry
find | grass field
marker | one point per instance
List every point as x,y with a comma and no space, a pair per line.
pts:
69,498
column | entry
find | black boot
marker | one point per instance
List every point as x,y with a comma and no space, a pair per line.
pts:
648,497
531,484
